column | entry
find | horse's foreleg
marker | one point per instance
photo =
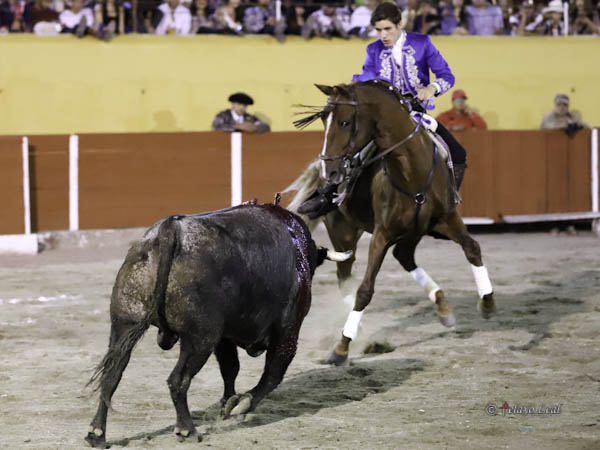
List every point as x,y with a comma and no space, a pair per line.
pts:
377,250
344,236
404,252
456,230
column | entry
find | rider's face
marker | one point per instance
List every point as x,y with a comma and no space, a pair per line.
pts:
388,32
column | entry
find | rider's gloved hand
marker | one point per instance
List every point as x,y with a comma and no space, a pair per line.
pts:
426,93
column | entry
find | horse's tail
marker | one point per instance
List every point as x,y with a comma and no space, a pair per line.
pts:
109,371
305,185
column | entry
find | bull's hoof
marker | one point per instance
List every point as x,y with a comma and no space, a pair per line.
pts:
486,306
238,404
184,435
335,358
96,438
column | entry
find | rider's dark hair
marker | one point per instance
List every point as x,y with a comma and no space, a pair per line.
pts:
386,11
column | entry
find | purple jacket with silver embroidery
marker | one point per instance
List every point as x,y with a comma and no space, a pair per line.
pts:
419,56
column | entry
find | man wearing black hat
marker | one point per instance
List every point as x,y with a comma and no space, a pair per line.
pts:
237,119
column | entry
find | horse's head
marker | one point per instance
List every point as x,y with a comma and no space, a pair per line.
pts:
348,129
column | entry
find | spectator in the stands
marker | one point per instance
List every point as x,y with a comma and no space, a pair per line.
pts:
295,17
409,13
176,19
454,18
202,20
77,20
461,117
41,19
526,21
427,20
237,118
11,16
484,18
553,15
360,20
506,8
148,16
582,18
561,117
327,22
229,17
109,16
260,19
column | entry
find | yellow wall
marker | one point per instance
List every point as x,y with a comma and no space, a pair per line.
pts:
149,83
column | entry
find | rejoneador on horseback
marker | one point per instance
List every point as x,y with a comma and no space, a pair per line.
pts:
404,60
382,171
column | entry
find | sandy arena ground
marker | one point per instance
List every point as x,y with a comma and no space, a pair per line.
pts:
430,392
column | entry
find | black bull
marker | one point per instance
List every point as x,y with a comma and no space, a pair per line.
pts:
215,281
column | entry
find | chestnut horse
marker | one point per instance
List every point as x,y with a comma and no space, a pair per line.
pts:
403,192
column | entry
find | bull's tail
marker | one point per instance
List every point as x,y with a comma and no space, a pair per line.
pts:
124,337
305,185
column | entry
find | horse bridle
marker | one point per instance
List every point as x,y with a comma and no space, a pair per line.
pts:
350,160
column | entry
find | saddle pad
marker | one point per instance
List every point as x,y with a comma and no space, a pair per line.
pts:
431,125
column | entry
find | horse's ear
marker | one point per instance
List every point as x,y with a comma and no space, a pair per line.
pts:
327,90
341,91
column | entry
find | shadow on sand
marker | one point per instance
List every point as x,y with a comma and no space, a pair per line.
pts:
305,393
532,310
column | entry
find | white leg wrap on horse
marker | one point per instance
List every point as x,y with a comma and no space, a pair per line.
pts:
352,323
482,280
425,281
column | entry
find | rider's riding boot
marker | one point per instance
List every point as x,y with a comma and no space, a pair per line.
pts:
320,203
459,173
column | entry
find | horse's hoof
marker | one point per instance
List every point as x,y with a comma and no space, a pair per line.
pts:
444,310
486,306
448,321
93,440
237,404
336,359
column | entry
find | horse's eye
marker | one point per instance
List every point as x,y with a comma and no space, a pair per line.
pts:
344,123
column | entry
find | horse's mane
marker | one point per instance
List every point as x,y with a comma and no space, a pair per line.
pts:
314,113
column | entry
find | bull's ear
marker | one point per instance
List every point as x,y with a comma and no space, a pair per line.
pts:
327,90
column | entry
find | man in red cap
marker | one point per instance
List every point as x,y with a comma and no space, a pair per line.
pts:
460,117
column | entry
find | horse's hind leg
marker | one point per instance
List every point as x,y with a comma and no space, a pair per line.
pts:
404,252
344,236
455,229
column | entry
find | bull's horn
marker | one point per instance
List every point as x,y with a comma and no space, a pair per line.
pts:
339,256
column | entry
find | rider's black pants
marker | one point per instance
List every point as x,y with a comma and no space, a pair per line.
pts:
457,151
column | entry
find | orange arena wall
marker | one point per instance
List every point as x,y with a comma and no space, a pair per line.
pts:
130,180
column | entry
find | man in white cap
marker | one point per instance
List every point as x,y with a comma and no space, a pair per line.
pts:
561,117
237,119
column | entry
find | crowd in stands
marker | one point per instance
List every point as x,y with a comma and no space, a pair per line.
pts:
307,18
